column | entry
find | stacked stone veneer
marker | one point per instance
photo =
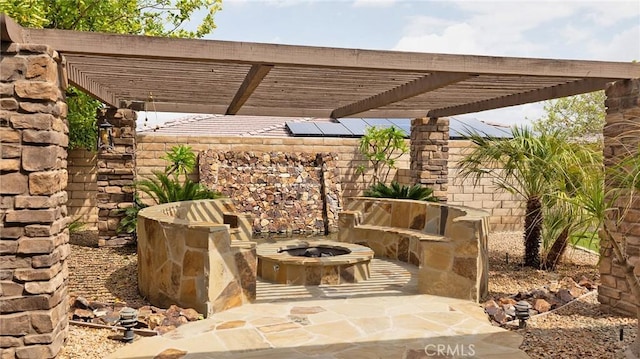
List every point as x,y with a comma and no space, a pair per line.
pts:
116,175
196,254
448,243
620,141
429,154
286,192
33,216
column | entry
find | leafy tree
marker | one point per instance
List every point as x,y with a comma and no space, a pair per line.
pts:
141,17
395,190
577,116
382,146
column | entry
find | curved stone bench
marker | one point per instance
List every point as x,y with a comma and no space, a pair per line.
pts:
448,243
196,254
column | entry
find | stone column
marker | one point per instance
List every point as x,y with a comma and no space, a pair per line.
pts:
33,215
116,175
621,141
429,154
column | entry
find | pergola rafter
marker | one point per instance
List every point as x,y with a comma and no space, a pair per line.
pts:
222,77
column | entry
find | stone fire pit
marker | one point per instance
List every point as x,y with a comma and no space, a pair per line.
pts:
313,262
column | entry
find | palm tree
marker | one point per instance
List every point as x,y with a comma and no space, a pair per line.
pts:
526,165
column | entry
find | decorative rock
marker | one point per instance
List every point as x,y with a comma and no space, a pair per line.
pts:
585,282
190,314
501,317
171,354
162,330
541,305
82,303
83,314
565,296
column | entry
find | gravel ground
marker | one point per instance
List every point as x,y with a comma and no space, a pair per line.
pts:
576,330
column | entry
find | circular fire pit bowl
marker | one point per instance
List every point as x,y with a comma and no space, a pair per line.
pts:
313,262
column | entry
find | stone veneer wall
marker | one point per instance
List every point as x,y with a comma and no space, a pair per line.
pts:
33,216
116,174
285,192
429,154
83,187
623,118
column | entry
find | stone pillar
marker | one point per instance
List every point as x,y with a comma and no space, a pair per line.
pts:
621,141
33,215
116,175
429,154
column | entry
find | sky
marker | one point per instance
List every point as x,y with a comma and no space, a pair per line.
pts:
583,30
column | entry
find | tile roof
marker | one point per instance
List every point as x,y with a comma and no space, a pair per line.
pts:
272,126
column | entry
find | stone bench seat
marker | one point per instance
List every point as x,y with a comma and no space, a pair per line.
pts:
196,254
447,243
422,236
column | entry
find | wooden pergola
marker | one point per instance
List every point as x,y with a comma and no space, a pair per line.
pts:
221,77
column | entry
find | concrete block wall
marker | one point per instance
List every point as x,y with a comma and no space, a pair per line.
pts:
507,210
82,188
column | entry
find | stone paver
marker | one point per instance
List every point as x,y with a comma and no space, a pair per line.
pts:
379,318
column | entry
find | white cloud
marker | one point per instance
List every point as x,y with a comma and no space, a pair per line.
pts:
373,3
486,28
623,46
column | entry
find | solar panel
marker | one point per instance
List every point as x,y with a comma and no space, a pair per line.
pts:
402,123
378,122
303,129
462,128
355,125
333,129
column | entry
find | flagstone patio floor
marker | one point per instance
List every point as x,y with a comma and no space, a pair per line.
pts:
378,318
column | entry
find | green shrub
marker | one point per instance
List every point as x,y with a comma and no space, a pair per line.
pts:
395,190
166,189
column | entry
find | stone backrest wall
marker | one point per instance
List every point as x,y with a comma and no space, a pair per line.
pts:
285,192
33,215
621,140
193,264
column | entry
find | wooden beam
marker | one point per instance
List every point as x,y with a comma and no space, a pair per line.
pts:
547,93
10,31
416,87
92,88
114,45
250,83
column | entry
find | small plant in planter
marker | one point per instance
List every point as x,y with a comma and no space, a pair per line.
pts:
398,191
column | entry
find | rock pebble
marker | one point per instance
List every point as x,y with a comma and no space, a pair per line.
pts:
501,310
149,317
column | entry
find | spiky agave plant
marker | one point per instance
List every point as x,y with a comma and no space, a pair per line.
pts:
398,191
163,188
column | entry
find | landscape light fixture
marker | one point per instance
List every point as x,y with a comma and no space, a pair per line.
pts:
105,136
128,320
522,313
